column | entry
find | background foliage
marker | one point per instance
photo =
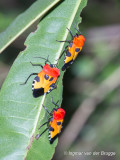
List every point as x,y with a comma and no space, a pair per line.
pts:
95,73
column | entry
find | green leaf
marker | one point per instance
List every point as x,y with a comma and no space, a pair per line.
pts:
25,20
20,113
5,20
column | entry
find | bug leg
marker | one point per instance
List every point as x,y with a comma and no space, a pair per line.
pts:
36,65
70,33
29,77
54,102
54,86
61,55
43,124
64,41
57,101
63,52
39,135
47,110
68,41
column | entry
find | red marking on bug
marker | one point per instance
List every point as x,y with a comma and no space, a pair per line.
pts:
79,41
54,72
59,114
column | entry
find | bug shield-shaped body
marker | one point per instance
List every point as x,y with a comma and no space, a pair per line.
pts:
56,124
45,81
73,50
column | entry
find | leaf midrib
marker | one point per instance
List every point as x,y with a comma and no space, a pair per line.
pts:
57,56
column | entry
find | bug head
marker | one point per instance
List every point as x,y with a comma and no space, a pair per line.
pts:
59,114
48,61
81,39
52,71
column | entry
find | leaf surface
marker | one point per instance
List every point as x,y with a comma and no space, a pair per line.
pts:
20,113
25,20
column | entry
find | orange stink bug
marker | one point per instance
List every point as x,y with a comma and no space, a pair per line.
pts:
45,80
73,49
54,123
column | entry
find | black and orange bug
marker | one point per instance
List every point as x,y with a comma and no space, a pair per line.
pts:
45,80
73,49
54,123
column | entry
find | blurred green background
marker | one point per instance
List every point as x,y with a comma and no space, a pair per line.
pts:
91,85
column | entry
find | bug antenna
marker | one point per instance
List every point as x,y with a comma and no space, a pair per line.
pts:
76,28
70,33
54,102
46,60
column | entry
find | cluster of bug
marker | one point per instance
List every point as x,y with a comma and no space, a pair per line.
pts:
45,81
